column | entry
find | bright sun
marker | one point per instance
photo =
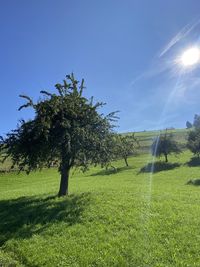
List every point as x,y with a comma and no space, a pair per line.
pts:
190,57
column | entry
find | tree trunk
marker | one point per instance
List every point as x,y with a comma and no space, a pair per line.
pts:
113,167
126,161
166,159
63,191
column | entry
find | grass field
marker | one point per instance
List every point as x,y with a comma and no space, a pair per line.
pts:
128,218
146,138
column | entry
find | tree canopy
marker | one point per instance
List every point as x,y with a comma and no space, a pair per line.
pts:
125,146
67,130
163,145
193,142
188,125
196,122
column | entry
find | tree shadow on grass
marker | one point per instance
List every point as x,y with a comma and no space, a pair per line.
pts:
194,162
158,166
112,171
195,182
25,216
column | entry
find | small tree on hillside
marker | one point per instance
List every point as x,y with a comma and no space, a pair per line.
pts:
196,122
164,145
188,125
67,128
126,145
193,142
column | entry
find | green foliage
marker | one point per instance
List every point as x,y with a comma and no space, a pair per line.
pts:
196,122
193,142
125,146
7,261
188,125
164,145
67,129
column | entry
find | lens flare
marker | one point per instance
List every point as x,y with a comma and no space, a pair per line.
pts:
190,57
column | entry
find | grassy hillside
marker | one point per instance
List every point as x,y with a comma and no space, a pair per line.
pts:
128,218
146,138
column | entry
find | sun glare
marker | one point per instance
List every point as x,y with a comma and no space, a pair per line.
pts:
190,57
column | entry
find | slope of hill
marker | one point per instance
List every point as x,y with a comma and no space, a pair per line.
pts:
146,138
128,218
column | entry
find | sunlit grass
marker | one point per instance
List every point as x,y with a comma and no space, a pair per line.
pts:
108,220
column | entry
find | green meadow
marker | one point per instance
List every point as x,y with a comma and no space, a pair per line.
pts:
126,218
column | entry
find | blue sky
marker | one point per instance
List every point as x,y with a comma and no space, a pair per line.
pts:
125,50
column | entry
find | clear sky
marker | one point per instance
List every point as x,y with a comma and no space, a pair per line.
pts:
125,50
